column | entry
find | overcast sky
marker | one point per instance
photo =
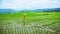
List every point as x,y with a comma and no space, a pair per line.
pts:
29,4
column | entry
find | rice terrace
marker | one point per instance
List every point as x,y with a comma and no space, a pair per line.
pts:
30,23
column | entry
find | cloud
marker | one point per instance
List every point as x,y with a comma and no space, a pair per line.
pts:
30,4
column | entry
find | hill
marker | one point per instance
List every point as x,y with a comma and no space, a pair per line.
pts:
6,10
35,10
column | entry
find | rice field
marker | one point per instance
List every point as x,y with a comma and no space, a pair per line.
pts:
34,23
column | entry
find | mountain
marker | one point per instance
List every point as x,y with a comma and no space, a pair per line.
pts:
6,10
47,10
35,10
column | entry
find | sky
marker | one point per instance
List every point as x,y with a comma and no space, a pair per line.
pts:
29,4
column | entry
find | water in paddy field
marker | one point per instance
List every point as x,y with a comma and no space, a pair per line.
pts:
14,29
